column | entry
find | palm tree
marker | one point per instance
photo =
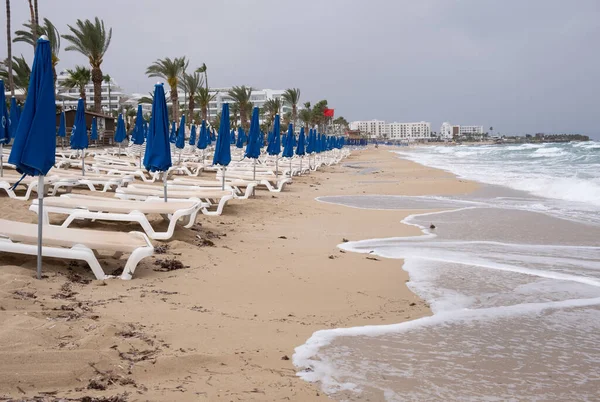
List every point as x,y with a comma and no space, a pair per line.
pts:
11,84
78,78
305,116
204,98
292,97
16,73
216,123
147,99
287,119
273,107
47,29
91,40
234,110
241,95
107,79
191,83
170,70
202,70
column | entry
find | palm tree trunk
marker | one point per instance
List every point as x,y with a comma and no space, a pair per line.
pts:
175,102
97,80
191,106
205,113
82,96
11,84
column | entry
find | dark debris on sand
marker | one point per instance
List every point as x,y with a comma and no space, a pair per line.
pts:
168,265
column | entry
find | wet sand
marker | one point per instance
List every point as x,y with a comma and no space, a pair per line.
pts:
224,326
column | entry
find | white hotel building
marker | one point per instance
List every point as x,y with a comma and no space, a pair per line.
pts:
70,97
449,131
379,129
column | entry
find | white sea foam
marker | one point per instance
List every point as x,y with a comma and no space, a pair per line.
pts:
513,303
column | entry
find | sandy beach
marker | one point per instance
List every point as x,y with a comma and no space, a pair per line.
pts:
255,283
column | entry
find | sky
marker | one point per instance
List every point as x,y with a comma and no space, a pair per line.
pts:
518,66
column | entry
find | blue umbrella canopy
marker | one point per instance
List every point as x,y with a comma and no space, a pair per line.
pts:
173,135
232,137
158,149
138,129
79,135
300,148
275,143
121,133
4,117
288,149
241,138
145,129
15,115
222,147
203,138
253,147
193,135
35,143
262,139
62,126
94,132
180,140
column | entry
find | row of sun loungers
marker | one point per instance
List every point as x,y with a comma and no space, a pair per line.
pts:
138,195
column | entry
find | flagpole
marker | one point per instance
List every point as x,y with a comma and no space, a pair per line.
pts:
40,191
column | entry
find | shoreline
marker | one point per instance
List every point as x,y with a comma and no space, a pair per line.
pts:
226,326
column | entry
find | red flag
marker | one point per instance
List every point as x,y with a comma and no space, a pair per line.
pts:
328,112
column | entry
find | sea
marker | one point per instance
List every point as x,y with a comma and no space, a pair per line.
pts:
512,275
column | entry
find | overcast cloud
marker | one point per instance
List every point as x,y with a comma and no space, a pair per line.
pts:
517,65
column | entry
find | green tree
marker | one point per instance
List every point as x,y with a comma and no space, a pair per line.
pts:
272,107
204,98
78,78
172,71
234,110
16,73
48,29
292,96
317,114
241,95
216,123
191,83
9,65
91,40
202,70
305,116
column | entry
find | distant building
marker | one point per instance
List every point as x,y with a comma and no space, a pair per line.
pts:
449,131
379,129
70,97
372,128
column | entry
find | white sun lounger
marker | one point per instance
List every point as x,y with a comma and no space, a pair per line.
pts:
243,189
211,197
52,185
271,183
75,244
110,209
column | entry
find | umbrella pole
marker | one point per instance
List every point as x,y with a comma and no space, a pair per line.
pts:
165,184
1,160
276,166
40,191
254,178
82,162
290,167
119,150
223,178
302,157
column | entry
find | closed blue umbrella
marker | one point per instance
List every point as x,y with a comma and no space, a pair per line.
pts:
262,139
94,130
15,114
232,137
300,151
275,143
253,147
241,138
4,126
158,149
203,137
173,135
120,134
145,129
33,152
222,147
62,129
288,148
138,128
180,139
79,134
193,135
